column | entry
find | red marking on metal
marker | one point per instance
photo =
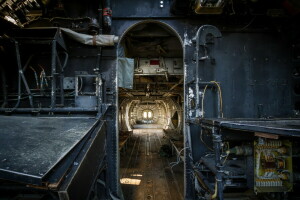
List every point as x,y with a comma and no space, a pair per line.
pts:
154,62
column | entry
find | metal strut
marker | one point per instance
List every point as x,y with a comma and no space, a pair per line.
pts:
62,67
21,77
53,74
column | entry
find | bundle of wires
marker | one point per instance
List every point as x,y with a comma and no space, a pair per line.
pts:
173,164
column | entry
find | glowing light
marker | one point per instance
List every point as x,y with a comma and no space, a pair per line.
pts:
10,19
130,181
145,115
139,175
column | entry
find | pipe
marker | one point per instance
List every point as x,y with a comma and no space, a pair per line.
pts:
47,110
107,13
209,165
95,40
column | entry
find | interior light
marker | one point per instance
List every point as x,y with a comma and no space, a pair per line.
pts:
137,175
150,114
145,115
130,181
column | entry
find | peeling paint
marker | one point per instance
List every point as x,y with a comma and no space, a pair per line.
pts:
187,41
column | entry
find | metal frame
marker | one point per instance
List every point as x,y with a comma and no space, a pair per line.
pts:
25,36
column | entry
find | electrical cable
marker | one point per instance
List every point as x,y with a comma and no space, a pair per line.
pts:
252,20
43,78
227,153
232,7
172,164
35,76
220,98
81,83
216,191
201,138
202,102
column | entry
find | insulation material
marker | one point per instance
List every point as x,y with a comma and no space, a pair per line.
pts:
125,72
95,40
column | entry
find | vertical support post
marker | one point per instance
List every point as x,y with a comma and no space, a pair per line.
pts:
99,87
217,139
53,74
112,151
19,91
197,80
189,189
76,85
62,94
99,94
61,80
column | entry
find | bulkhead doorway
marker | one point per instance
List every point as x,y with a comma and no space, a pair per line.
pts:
151,102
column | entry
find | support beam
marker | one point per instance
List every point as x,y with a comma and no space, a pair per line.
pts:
174,86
